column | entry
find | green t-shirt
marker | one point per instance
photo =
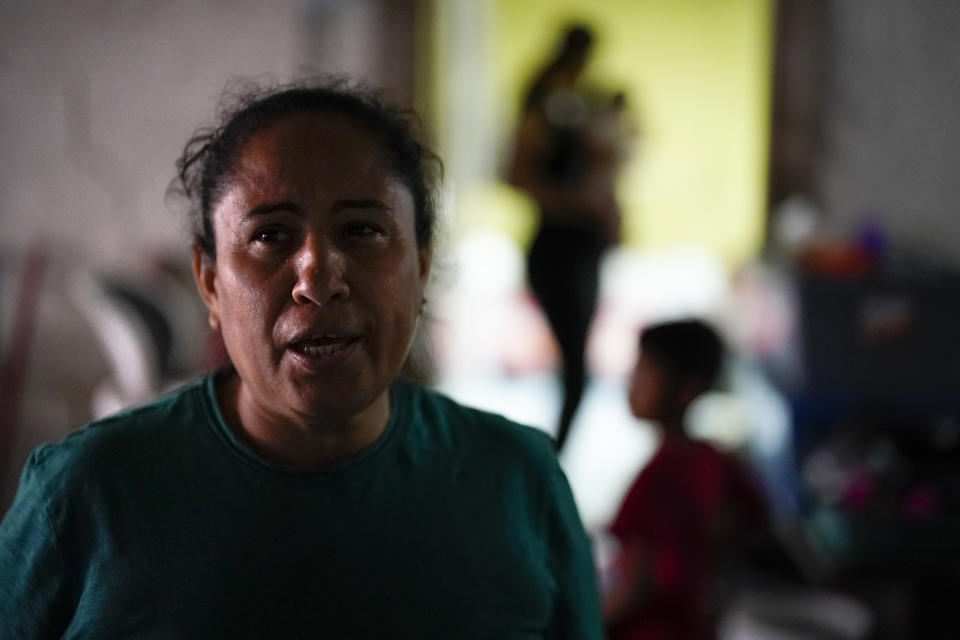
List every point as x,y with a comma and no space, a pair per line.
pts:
159,523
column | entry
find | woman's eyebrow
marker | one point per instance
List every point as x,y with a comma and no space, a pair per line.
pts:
362,203
267,208
286,206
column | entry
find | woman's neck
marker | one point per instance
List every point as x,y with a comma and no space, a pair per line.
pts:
300,442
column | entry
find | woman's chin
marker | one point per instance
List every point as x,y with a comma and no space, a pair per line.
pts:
341,400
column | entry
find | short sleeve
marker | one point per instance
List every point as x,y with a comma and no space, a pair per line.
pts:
577,607
635,512
32,593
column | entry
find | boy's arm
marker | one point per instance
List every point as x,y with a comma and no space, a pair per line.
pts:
628,582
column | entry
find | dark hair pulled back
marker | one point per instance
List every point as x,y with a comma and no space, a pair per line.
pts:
208,158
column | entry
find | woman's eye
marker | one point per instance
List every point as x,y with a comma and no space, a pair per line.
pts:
361,230
271,236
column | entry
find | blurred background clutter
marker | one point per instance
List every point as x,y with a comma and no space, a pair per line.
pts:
788,175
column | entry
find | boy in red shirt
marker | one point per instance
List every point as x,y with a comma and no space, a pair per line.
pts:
687,507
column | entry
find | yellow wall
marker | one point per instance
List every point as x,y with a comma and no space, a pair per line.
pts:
697,75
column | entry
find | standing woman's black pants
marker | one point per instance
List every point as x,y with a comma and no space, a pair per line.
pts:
564,266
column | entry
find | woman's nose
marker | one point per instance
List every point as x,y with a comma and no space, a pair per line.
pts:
321,272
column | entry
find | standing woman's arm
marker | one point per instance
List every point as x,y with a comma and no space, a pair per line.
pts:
565,202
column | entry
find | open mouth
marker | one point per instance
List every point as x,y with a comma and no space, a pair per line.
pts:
321,346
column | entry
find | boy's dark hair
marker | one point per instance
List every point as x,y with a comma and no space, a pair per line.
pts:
687,349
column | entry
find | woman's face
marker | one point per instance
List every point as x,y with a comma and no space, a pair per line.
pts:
318,281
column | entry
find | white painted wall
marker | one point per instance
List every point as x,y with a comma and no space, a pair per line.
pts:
892,122
99,97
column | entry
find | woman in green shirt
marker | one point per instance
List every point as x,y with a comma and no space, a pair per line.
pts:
304,491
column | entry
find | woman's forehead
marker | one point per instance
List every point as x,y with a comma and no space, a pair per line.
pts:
312,139
313,151
316,163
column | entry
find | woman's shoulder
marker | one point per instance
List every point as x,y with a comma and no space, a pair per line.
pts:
459,428
125,436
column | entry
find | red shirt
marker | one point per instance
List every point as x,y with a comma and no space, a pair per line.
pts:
680,511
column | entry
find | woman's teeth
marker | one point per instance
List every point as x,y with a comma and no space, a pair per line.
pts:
325,350
325,346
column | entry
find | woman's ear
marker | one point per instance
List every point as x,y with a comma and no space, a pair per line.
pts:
424,258
205,273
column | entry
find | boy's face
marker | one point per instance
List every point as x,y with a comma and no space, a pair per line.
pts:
647,389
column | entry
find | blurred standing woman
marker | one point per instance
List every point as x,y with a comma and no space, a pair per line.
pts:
569,148
305,490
